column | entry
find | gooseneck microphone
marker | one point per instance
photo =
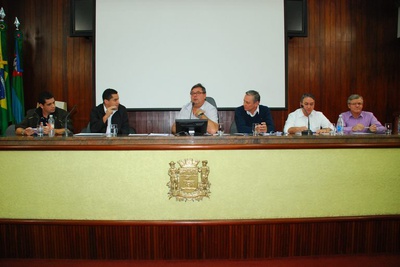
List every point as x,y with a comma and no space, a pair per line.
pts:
66,119
308,131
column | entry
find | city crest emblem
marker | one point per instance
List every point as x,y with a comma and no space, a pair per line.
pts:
189,181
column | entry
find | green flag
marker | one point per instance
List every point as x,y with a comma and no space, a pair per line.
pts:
17,88
5,105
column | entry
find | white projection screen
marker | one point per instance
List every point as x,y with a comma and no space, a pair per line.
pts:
153,51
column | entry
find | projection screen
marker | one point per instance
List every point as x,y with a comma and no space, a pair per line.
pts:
153,51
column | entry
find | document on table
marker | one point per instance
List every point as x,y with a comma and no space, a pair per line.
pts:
151,134
90,134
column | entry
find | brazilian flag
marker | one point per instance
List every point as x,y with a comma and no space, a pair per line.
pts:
5,100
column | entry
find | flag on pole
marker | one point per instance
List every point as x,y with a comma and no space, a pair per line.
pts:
17,88
5,111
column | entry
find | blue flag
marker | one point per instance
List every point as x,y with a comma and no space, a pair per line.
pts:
17,84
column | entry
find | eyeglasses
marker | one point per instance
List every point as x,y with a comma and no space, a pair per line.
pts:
358,103
196,93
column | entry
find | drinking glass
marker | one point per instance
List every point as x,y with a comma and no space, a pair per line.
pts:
114,130
333,132
52,132
220,129
255,130
388,128
40,130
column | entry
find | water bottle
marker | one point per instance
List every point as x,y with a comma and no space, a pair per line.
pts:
50,122
339,125
40,129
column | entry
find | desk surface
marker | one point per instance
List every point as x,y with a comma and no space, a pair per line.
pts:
226,142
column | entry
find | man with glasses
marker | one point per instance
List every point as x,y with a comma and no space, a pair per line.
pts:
357,120
199,108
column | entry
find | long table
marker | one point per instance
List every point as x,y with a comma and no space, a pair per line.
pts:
226,142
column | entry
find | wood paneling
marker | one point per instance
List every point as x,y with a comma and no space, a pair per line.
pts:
53,61
351,48
168,240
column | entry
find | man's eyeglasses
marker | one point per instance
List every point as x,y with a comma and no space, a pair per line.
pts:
354,104
196,93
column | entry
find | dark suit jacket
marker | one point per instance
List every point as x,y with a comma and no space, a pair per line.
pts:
120,118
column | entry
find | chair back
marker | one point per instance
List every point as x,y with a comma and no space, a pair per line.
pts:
211,100
233,128
86,129
10,130
61,104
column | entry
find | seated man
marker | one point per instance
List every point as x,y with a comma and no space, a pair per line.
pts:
299,119
109,112
199,108
252,112
357,120
47,106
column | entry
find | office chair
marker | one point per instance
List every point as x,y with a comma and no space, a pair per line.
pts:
211,100
11,130
233,128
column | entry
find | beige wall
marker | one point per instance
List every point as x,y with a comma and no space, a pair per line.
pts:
245,184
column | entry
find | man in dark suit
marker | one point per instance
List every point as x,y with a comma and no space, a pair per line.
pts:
252,112
109,112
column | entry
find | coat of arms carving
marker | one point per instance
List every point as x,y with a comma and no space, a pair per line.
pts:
189,181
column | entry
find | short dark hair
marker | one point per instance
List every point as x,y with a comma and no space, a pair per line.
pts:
255,94
199,85
307,95
107,94
43,96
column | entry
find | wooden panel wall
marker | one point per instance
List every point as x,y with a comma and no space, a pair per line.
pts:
235,240
351,48
53,61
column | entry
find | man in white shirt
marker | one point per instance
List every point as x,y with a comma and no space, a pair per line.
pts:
199,108
299,119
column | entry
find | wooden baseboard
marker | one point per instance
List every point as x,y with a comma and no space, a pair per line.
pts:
199,240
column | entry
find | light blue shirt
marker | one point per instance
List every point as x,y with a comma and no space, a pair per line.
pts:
209,110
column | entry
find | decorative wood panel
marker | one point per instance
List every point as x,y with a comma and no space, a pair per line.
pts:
169,240
351,48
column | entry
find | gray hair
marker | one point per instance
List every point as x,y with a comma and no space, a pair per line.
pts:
352,97
255,94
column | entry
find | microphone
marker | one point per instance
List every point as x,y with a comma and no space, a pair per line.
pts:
66,119
308,131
